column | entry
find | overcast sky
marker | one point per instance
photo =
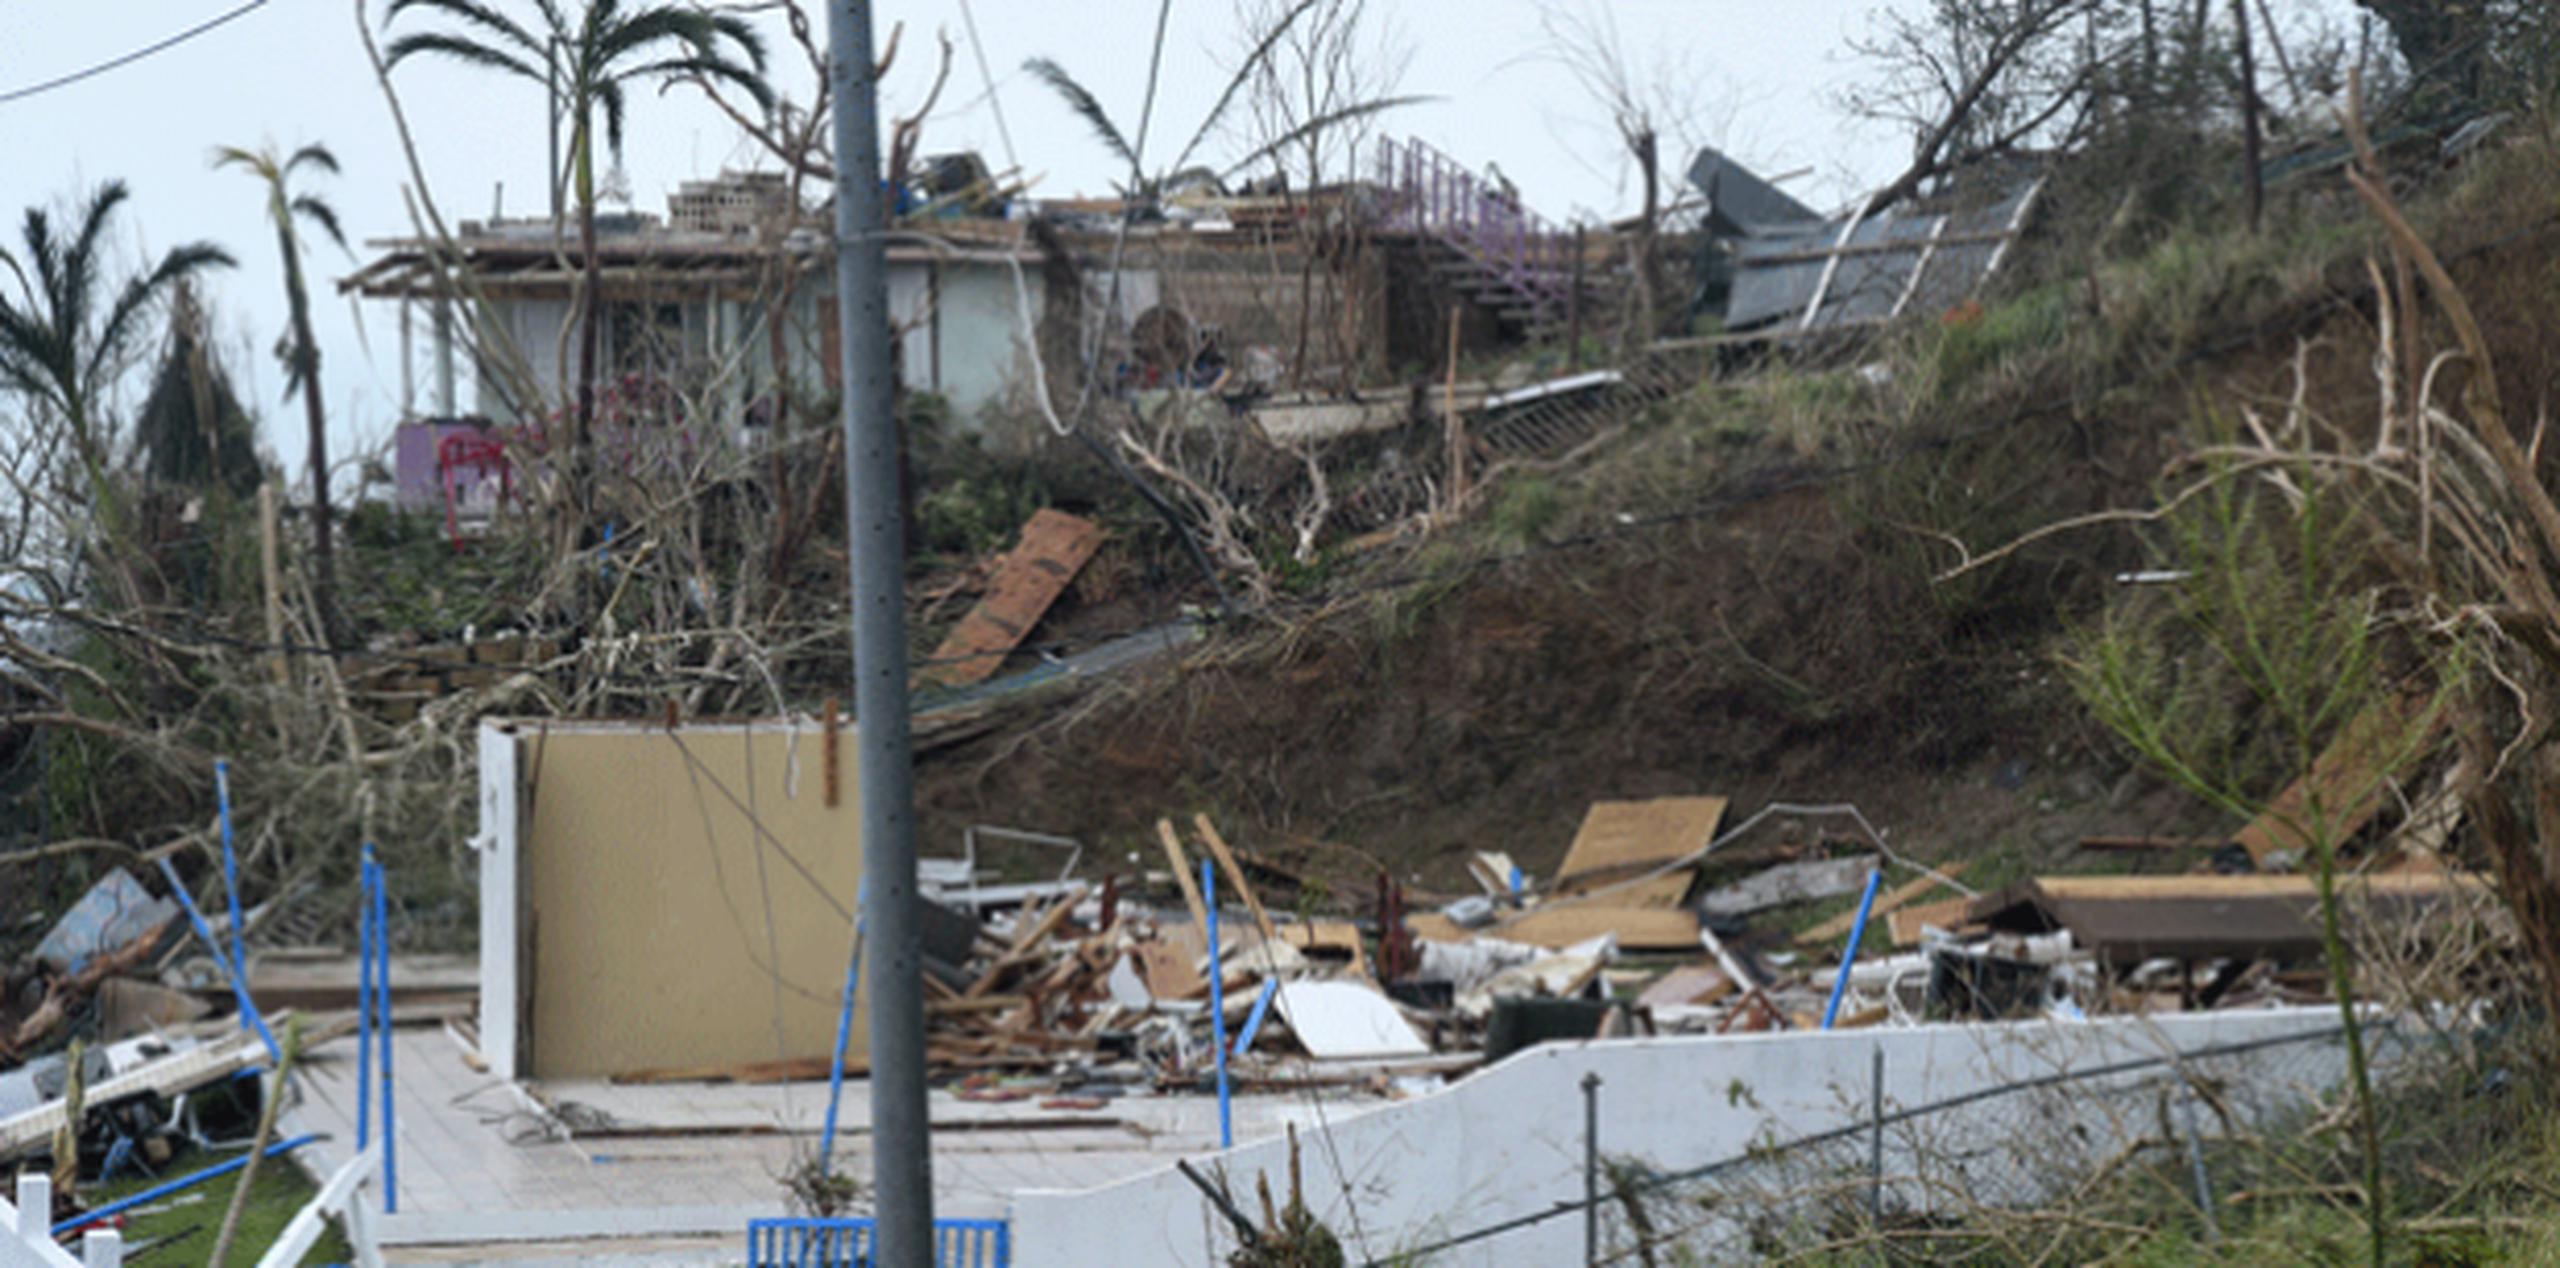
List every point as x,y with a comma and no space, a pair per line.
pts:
1759,77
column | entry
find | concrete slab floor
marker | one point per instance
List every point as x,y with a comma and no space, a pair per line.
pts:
673,1172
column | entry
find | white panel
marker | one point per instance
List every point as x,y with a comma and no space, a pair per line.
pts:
500,984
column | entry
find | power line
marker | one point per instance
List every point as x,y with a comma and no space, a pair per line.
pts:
128,59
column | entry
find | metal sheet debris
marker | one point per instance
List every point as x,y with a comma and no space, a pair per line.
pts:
1347,1019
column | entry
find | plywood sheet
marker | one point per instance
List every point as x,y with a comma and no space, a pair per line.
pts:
2351,773
1054,547
649,886
1621,840
1908,922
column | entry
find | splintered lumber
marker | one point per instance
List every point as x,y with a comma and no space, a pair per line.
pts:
1622,840
1908,922
1182,872
1054,547
1839,924
1227,859
1562,925
1325,938
2347,779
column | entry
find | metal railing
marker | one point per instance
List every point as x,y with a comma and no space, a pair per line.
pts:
849,1243
1427,192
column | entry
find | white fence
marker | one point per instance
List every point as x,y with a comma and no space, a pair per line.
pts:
26,1233
1508,1143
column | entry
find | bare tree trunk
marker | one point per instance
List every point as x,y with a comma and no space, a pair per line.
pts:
2249,117
1646,146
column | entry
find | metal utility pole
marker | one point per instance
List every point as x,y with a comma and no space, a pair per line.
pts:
901,1141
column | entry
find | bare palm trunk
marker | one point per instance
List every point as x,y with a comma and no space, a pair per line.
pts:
306,368
587,319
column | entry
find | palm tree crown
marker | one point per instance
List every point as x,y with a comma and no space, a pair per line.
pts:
588,55
63,340
285,210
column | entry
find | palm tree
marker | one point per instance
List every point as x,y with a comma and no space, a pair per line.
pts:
302,354
589,53
69,331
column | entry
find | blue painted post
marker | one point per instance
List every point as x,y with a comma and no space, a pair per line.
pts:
382,987
230,867
1253,1020
213,946
844,1026
1217,1002
364,1001
1849,958
231,890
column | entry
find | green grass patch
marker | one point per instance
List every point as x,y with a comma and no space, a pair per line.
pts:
190,1220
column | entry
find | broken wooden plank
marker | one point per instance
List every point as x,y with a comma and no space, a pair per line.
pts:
1182,872
1788,883
1329,938
1623,839
1054,547
2351,773
1908,922
1885,905
1235,875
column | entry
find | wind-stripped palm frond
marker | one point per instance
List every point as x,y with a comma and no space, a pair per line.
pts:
461,50
55,346
314,155
313,208
123,320
473,13
1356,110
608,94
718,68
1083,103
1253,64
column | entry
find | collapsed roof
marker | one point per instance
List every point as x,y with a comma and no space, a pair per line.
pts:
1788,269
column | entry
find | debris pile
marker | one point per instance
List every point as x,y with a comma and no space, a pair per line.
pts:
1659,920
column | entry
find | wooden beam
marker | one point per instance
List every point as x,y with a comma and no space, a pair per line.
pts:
1182,874
1227,859
1885,905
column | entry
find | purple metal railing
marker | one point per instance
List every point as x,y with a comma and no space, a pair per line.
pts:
1427,192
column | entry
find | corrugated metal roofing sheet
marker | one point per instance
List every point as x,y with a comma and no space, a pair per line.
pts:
1861,270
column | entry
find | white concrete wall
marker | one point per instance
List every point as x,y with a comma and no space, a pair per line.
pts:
1508,1141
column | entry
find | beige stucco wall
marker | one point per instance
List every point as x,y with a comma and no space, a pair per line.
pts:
647,891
